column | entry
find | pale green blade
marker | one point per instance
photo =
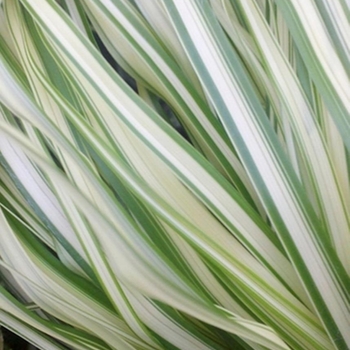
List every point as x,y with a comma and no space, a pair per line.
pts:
293,105
124,164
272,174
320,56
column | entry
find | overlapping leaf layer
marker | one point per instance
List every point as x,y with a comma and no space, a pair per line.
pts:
174,174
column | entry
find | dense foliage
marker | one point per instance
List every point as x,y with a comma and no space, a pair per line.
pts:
174,174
